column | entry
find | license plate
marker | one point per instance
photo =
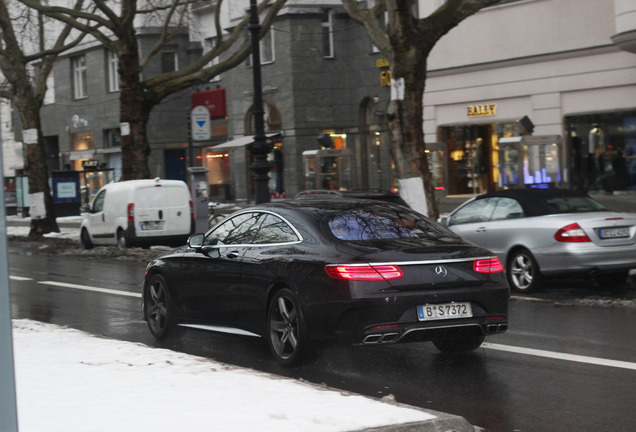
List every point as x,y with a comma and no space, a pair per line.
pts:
151,226
620,232
444,311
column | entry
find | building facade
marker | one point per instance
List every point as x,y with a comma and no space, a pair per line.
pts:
568,66
561,70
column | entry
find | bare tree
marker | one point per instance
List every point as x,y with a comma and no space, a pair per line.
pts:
406,42
26,60
115,29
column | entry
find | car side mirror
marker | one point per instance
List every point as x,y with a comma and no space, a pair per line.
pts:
196,241
444,220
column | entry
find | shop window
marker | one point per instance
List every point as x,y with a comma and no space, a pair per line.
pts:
218,164
603,150
82,141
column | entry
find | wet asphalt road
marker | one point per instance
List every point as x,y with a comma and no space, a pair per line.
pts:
495,389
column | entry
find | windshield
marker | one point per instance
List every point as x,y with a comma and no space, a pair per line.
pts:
372,224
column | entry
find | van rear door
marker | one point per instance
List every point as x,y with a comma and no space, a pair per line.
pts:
162,210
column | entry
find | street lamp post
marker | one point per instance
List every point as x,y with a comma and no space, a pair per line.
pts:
259,148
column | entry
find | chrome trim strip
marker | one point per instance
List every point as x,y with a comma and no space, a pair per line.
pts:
220,329
406,263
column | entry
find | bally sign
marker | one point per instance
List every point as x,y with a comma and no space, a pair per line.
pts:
482,110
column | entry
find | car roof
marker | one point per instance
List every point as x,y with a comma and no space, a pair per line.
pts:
320,205
533,200
362,193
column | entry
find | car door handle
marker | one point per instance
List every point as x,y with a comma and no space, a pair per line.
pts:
102,217
233,254
481,229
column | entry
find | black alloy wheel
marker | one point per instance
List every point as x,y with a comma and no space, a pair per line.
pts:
461,344
160,309
286,328
523,271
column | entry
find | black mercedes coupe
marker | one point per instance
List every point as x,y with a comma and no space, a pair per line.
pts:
359,271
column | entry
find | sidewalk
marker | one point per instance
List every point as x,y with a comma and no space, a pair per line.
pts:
68,380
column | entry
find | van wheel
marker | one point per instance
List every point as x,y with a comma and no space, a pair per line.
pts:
121,239
86,239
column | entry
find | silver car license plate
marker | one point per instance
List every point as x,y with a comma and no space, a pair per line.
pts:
619,232
444,311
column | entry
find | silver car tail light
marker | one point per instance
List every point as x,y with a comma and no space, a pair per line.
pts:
572,233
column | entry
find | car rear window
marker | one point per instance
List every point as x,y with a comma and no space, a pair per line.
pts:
356,225
573,204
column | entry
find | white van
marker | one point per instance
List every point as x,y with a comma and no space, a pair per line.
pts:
139,213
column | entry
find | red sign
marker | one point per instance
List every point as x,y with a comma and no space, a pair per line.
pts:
213,100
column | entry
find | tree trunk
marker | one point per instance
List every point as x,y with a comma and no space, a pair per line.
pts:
135,105
405,123
36,169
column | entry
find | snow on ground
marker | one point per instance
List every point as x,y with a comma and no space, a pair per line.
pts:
68,380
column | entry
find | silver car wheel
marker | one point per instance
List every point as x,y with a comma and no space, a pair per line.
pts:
523,273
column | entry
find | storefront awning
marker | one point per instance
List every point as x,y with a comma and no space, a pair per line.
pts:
242,141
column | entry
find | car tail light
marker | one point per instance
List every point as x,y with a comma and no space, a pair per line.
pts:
191,210
365,272
490,265
572,233
131,213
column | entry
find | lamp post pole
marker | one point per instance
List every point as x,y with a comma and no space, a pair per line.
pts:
259,148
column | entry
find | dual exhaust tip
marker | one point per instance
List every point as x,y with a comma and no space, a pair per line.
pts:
381,338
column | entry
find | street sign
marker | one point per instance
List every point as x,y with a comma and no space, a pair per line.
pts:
200,120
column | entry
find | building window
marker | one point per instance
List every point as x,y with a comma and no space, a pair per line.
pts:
169,62
266,48
113,74
112,138
208,44
327,34
79,76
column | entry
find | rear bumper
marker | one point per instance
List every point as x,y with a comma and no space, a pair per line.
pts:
586,258
154,239
394,319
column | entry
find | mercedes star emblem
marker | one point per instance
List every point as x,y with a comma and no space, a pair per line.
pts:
441,271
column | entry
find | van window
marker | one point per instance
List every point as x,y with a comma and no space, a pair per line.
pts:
98,203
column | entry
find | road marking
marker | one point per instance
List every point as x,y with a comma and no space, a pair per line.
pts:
561,356
498,347
90,288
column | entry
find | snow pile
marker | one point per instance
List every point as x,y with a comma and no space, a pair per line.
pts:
68,380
